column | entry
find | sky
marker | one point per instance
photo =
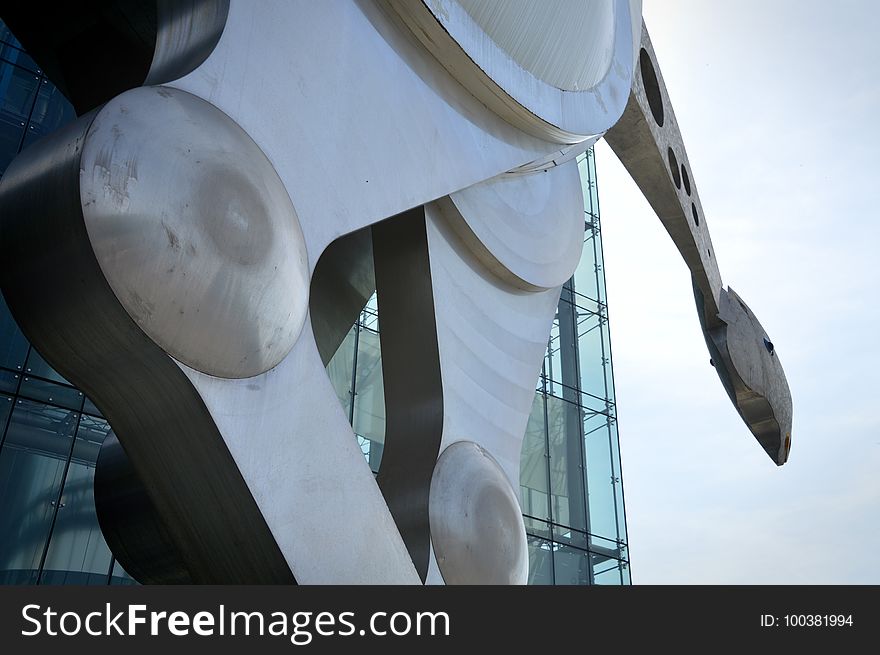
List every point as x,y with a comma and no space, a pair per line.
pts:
779,106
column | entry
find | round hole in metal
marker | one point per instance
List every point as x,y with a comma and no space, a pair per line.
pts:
652,86
673,168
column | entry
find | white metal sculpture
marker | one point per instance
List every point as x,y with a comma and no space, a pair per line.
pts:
221,226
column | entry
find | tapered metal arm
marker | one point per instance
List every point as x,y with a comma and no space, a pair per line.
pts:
648,143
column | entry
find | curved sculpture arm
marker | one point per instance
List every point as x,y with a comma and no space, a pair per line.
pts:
648,143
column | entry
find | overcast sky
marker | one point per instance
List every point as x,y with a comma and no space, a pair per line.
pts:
779,105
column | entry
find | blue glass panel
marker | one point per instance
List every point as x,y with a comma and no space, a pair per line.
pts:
571,566
120,576
369,398
606,571
17,89
77,544
591,354
536,527
38,366
540,561
13,345
8,381
534,476
600,477
7,37
50,392
90,408
51,111
32,465
6,403
13,55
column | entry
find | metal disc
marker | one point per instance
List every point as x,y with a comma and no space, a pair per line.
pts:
194,231
477,528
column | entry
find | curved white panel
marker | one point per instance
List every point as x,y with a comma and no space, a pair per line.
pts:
559,70
568,44
527,229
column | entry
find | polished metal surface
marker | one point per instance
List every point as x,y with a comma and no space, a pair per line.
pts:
94,52
476,523
186,33
194,232
338,191
133,528
653,153
342,283
527,229
411,374
491,336
414,134
502,54
91,51
54,286
299,456
648,142
539,37
752,376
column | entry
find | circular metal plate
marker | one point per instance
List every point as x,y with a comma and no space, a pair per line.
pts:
194,231
477,528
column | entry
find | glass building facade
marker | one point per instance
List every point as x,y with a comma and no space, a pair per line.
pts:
50,433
